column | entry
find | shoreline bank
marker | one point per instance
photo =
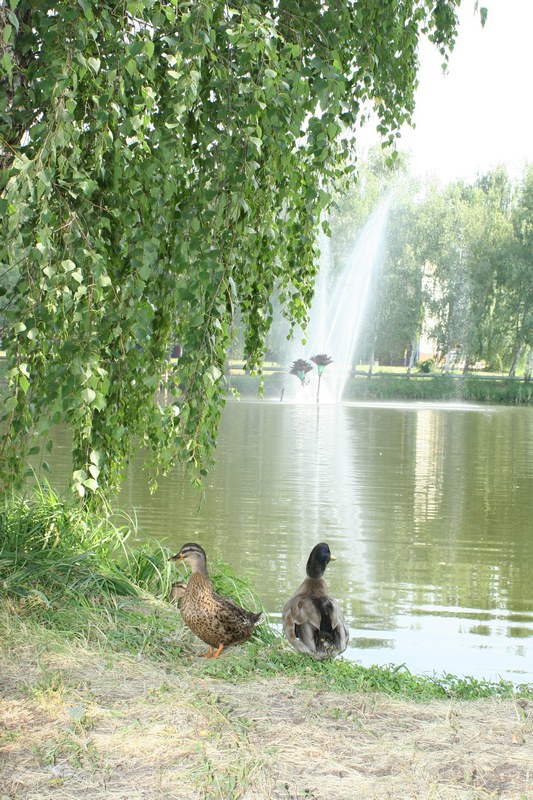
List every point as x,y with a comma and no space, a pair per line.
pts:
81,721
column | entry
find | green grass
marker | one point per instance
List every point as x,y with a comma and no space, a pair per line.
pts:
344,676
68,576
439,387
55,550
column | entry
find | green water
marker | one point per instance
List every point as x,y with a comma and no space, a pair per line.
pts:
428,508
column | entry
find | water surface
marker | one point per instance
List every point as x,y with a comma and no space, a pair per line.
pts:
428,508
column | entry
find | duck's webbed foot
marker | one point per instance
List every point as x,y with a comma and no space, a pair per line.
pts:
212,653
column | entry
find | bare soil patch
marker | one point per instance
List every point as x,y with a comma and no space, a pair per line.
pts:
80,724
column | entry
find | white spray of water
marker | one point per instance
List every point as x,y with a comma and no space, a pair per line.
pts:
338,308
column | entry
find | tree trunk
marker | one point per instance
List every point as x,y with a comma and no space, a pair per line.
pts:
516,357
412,354
370,364
529,365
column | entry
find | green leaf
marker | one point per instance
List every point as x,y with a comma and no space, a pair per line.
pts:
212,374
96,457
94,64
12,17
10,403
88,187
79,475
88,395
7,64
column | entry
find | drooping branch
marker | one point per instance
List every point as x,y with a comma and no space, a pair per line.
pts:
168,172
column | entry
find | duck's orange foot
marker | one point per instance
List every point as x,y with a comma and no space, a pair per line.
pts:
212,653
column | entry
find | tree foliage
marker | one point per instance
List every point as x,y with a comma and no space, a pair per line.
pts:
163,163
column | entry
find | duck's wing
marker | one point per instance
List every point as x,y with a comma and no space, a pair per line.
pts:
228,610
315,625
301,621
340,629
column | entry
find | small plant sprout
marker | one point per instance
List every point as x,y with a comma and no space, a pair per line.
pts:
321,360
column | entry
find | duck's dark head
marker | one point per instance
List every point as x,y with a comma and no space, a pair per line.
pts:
318,560
193,555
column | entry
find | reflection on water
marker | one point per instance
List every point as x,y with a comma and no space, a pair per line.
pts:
428,509
428,464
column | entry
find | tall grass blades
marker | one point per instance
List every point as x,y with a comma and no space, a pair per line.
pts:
58,550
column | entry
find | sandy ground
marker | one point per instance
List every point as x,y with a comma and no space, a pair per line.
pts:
77,725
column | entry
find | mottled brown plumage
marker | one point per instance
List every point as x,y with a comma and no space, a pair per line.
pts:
215,619
312,620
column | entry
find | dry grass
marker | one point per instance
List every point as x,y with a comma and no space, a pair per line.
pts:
76,722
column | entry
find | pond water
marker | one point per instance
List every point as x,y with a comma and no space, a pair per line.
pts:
427,507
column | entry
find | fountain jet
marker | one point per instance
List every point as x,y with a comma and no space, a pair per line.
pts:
340,301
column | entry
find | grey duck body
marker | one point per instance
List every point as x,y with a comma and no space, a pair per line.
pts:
312,620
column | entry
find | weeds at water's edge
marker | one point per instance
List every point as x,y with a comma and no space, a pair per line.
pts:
384,386
343,676
67,576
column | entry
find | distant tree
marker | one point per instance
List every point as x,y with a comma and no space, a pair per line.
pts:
163,163
490,235
464,228
444,248
516,276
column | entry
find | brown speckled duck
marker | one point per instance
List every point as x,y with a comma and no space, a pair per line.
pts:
312,620
215,619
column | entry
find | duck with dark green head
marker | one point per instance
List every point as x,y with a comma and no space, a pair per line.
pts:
215,619
312,620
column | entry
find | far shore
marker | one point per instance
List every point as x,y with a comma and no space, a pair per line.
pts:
396,384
